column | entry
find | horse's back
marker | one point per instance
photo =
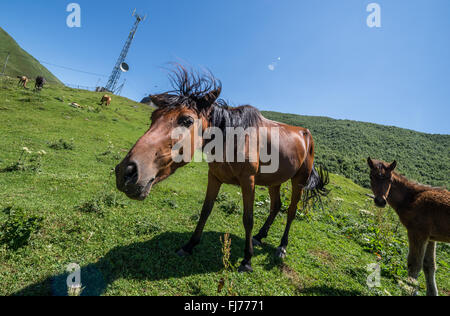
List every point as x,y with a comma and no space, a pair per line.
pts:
434,198
434,205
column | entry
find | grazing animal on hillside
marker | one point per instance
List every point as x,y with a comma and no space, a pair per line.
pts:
23,80
106,99
425,211
195,105
40,82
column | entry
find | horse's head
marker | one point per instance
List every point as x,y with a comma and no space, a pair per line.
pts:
381,180
151,160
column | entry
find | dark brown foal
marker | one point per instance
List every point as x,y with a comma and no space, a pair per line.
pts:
425,212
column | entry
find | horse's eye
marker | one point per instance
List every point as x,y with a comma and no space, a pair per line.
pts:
186,121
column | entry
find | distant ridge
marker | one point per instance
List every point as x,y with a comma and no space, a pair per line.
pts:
20,62
343,147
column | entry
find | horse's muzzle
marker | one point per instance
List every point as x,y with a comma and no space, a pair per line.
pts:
127,181
380,202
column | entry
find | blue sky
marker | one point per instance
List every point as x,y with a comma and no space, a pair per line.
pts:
324,60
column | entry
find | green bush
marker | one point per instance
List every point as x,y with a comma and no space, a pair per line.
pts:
62,144
28,161
230,207
16,232
100,203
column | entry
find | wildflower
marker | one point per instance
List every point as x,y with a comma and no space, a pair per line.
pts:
365,212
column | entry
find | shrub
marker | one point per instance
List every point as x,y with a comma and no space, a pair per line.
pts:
28,161
100,203
230,207
92,206
16,232
225,284
62,144
146,226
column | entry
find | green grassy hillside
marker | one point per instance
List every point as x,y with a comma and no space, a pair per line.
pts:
21,63
59,205
343,147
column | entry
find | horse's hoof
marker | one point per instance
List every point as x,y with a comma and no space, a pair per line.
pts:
280,253
256,242
182,253
245,268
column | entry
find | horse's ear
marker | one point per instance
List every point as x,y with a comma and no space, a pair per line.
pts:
370,162
393,165
212,96
159,100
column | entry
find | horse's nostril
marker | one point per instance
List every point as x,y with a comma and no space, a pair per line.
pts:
131,174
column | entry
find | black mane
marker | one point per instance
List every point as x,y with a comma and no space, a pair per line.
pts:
223,116
190,90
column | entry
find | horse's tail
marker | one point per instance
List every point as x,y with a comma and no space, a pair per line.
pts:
316,185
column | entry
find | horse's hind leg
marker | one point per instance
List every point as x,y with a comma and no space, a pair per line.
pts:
211,195
292,211
429,268
275,206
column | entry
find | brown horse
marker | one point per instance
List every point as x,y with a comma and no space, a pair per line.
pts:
195,98
106,99
23,80
425,211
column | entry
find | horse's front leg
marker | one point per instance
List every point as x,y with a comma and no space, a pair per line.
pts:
213,190
417,247
248,194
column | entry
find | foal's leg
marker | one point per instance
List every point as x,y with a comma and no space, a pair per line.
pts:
211,194
275,206
417,246
296,194
248,194
429,268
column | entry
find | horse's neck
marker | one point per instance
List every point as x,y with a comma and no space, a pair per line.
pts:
402,193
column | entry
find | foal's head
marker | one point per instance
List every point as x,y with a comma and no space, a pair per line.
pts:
381,180
151,160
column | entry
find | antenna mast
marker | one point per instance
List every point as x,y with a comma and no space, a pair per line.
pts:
117,71
119,89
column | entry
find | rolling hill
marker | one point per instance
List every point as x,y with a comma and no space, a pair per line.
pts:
21,63
343,147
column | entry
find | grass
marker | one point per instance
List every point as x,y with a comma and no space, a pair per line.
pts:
126,247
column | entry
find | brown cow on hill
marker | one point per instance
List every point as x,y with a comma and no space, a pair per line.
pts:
106,99
23,80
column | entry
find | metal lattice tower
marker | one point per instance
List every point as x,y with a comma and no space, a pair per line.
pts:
117,71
